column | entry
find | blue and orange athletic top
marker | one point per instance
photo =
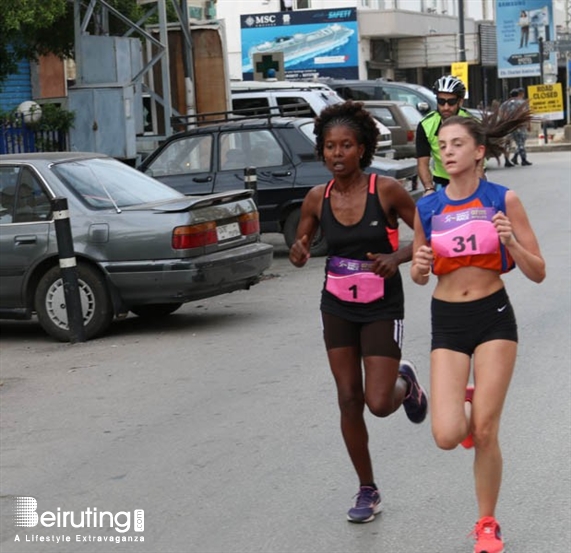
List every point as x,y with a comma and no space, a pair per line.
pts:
461,233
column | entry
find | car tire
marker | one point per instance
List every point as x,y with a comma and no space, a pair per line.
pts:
319,244
49,302
154,310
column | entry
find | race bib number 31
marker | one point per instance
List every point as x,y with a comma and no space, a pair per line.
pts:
467,232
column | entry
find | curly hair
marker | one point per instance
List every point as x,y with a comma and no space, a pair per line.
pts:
494,127
354,116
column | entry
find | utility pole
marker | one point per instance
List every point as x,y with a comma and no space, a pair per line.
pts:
541,80
461,37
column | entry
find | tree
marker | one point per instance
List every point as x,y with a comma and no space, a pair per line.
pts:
31,28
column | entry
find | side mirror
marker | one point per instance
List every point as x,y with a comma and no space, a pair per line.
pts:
423,107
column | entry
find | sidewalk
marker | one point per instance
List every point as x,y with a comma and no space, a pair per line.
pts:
556,142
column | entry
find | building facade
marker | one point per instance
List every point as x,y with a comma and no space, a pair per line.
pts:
405,40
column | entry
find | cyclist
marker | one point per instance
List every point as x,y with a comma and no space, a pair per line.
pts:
450,92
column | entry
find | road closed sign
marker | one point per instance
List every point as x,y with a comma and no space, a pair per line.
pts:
546,100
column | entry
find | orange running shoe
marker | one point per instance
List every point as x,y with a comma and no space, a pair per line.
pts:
468,441
488,536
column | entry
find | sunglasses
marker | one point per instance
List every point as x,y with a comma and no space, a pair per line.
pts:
449,101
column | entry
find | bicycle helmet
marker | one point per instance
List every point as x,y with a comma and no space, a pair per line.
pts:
450,85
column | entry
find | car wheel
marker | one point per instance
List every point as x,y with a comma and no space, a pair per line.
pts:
319,244
96,304
155,310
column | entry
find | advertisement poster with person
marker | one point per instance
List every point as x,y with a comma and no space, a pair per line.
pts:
323,42
522,25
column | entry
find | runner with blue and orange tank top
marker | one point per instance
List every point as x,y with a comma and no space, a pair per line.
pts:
469,234
362,302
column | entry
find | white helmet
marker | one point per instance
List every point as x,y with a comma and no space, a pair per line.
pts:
450,85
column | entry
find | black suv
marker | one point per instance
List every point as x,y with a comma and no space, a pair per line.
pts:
420,97
212,158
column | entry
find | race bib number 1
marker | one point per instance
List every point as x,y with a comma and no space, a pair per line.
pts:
467,232
356,288
353,280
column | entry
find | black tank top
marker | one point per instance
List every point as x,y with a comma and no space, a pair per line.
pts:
371,234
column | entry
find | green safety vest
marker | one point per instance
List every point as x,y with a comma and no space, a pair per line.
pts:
431,124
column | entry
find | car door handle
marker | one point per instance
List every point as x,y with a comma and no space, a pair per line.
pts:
282,174
25,239
202,179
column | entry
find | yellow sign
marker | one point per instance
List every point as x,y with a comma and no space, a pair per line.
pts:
546,98
460,69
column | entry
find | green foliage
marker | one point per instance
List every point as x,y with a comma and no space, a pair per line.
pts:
54,118
31,28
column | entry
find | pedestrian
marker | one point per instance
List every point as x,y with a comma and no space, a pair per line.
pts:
450,92
362,300
519,136
468,235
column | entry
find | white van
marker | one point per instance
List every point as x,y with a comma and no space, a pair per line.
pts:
295,99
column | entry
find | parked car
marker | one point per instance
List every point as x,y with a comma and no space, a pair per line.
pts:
212,158
140,246
422,98
402,120
294,99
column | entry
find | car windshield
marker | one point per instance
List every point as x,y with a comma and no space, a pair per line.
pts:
108,183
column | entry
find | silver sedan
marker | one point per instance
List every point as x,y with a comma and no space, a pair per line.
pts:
139,245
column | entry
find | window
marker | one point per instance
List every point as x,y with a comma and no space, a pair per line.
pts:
22,199
8,181
295,106
91,180
251,106
384,115
257,148
184,156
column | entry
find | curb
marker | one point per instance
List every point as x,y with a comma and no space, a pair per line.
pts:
557,147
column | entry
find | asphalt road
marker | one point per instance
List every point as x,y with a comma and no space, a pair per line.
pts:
221,423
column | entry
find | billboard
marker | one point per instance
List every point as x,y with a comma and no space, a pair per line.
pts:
312,41
519,26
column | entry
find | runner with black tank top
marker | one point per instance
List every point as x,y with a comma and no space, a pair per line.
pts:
362,304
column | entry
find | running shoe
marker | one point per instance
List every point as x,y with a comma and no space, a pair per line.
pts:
468,441
367,505
416,401
488,536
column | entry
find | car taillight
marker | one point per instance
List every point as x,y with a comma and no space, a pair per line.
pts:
249,223
410,136
194,236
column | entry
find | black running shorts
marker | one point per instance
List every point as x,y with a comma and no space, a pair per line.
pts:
462,326
378,338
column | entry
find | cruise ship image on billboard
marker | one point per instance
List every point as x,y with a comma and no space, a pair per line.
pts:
303,46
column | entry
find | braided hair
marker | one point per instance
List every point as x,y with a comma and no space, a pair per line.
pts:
493,129
354,116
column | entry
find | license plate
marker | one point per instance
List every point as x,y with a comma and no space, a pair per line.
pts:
225,232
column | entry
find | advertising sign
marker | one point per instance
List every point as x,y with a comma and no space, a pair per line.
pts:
519,26
323,42
460,69
546,100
